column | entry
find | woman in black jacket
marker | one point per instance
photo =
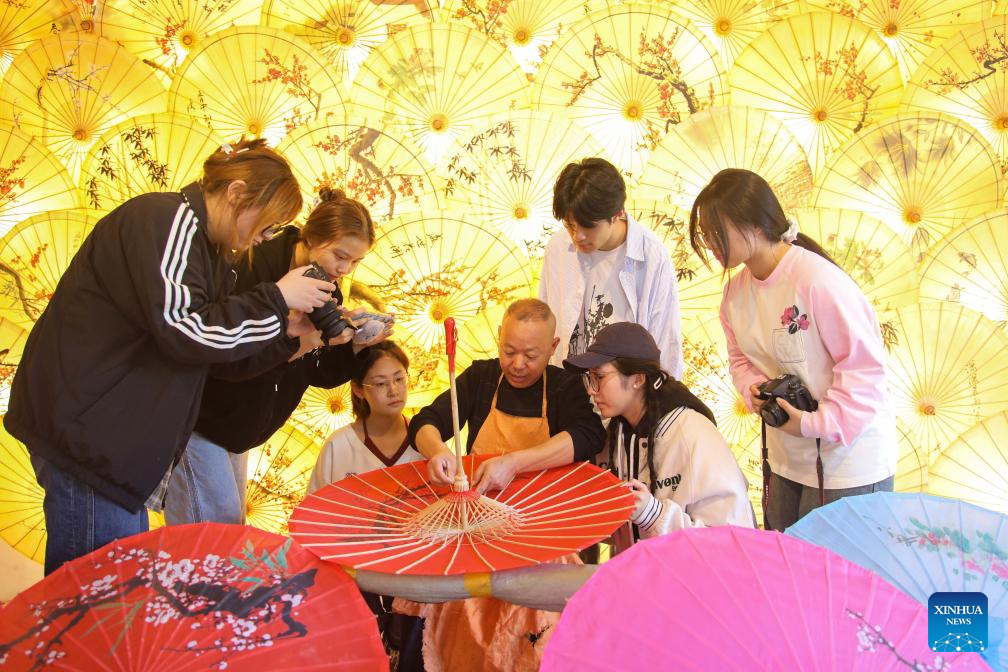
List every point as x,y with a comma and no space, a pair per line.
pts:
108,388
246,402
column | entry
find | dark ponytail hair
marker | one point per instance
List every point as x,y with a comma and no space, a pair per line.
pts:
365,360
740,198
662,394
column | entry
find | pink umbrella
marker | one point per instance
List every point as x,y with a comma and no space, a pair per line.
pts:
728,598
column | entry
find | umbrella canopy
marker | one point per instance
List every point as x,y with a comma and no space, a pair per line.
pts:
390,520
33,257
431,82
912,463
507,170
922,544
21,23
725,137
970,267
731,25
381,170
275,83
32,179
153,152
70,87
974,468
628,74
192,597
278,473
344,31
426,267
826,76
726,598
947,370
910,28
322,411
922,175
12,342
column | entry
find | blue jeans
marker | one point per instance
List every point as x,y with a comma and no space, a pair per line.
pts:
791,501
79,519
207,485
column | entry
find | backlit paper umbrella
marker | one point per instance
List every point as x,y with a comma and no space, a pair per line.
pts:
912,463
275,83
33,257
381,170
193,597
32,179
911,28
725,137
507,169
431,82
827,77
526,27
730,25
12,342
921,174
163,32
156,152
427,267
970,267
278,473
69,88
344,31
628,74
322,411
21,23
729,598
871,253
947,370
922,544
964,77
974,468
394,520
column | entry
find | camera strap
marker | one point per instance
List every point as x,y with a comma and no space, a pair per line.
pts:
766,473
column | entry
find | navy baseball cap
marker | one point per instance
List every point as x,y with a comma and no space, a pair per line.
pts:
620,339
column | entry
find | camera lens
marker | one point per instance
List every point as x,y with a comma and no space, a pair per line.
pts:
773,415
327,318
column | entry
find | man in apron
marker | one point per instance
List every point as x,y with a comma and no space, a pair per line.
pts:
531,416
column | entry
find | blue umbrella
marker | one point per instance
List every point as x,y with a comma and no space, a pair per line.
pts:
922,544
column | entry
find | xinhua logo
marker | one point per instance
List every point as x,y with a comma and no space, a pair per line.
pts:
957,622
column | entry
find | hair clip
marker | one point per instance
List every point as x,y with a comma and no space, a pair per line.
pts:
659,381
791,234
230,151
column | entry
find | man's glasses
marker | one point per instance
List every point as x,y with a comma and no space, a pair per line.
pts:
592,380
385,386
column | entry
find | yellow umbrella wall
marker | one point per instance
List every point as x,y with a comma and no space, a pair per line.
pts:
970,267
920,174
322,411
730,25
827,77
162,32
910,28
974,468
155,152
12,342
33,256
381,170
343,31
32,179
912,470
727,137
69,88
947,370
257,81
963,77
628,74
21,23
432,82
278,473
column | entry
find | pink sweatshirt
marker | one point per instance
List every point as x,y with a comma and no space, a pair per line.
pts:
809,318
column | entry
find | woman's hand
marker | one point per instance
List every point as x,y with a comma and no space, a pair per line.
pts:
793,424
302,293
298,325
757,403
642,493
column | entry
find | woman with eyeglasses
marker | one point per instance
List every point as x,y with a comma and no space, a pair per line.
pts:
378,437
661,439
109,384
246,402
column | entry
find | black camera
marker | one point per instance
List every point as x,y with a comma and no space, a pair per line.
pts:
791,389
328,318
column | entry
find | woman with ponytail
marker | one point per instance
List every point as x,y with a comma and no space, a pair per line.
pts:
792,310
661,439
245,403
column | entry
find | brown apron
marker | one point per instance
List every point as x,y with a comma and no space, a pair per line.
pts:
484,634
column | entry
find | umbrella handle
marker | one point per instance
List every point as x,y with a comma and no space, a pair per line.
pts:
451,338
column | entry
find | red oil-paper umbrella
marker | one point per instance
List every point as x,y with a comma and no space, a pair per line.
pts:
193,597
395,520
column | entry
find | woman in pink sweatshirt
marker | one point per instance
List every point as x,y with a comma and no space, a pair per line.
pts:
792,310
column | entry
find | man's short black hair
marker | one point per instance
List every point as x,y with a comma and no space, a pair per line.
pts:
587,191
